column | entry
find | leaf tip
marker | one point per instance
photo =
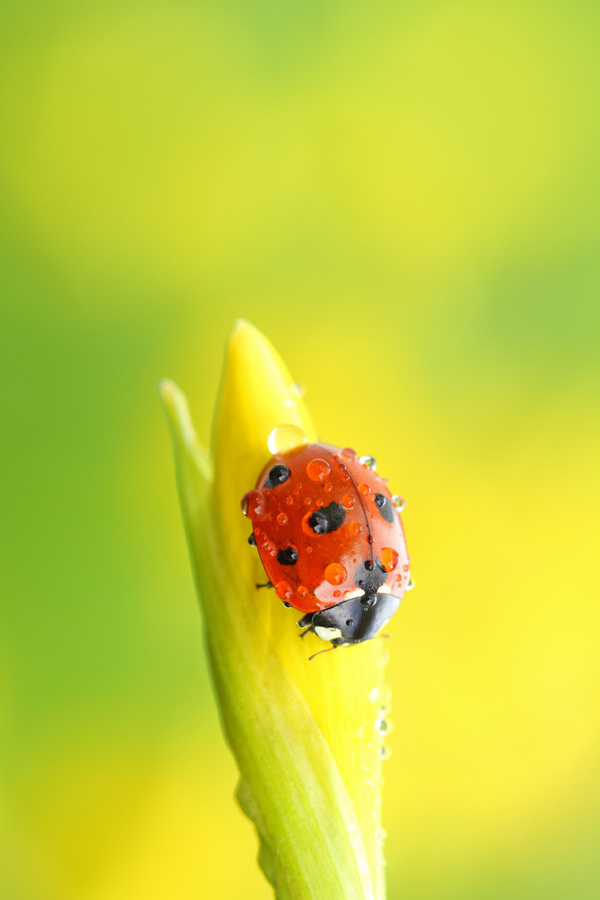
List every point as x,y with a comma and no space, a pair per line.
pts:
177,411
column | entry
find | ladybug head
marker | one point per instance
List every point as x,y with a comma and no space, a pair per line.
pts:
355,620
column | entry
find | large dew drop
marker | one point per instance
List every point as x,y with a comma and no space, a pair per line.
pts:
254,505
389,558
284,438
335,573
318,470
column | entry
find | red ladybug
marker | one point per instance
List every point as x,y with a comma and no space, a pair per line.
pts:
329,535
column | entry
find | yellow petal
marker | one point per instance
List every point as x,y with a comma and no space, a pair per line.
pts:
304,733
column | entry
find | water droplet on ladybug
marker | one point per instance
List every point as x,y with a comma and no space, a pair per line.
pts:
284,438
284,590
303,591
254,505
289,500
354,528
369,565
385,752
348,501
369,462
252,540
318,470
349,454
410,585
349,622
399,502
297,389
282,519
328,486
389,558
364,489
337,593
405,567
335,573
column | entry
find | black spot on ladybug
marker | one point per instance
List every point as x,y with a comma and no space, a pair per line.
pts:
328,518
252,540
318,522
385,507
368,577
277,475
287,557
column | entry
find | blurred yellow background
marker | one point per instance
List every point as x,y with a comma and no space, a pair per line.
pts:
405,199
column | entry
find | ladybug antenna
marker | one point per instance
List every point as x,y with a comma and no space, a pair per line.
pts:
326,650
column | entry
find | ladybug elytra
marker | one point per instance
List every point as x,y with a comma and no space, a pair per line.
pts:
330,537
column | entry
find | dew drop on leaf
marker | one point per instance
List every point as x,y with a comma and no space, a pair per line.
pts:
286,437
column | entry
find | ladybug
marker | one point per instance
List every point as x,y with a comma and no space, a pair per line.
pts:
330,537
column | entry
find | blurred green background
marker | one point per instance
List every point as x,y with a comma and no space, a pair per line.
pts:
405,199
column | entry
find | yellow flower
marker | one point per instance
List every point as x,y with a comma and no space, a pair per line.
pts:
304,734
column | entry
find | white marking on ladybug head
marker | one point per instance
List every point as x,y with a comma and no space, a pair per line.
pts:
352,595
327,634
384,589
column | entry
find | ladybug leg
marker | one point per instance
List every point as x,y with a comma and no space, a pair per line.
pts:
266,584
304,621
